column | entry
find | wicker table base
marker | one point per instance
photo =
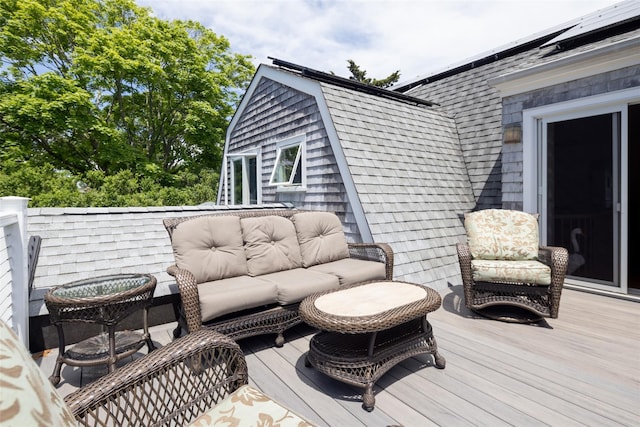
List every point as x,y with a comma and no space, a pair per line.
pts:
348,358
358,350
97,348
104,300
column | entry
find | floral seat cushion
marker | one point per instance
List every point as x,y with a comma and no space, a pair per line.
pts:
526,271
499,234
248,406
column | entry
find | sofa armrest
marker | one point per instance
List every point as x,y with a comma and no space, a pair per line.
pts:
380,252
189,296
172,385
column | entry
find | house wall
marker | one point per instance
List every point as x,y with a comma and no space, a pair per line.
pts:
513,106
274,113
495,169
476,107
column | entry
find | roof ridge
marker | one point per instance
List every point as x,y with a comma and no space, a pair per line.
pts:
349,83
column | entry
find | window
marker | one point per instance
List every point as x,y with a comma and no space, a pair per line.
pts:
244,179
288,170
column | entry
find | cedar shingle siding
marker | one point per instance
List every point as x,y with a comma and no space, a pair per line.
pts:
276,112
403,159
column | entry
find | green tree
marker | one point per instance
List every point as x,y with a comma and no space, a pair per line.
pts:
361,76
103,85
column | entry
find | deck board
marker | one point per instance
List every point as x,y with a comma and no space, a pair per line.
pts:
581,369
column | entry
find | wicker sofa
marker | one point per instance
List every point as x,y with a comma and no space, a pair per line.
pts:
200,380
244,273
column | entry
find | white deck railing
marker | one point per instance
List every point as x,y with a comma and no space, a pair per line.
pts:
14,292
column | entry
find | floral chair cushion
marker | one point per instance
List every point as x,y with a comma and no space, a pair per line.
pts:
502,235
533,272
249,407
28,398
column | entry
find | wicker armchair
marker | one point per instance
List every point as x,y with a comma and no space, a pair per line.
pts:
502,264
170,386
198,380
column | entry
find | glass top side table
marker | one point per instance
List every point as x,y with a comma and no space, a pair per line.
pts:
104,300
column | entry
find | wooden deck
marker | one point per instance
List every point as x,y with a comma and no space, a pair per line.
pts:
581,369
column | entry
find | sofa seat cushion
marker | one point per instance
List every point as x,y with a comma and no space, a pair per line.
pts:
321,237
294,285
27,398
210,247
249,407
225,296
502,234
270,244
533,272
351,270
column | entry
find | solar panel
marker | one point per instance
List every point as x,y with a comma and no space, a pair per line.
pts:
603,19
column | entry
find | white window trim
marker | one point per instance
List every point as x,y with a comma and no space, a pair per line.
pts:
533,129
231,158
312,88
301,159
583,107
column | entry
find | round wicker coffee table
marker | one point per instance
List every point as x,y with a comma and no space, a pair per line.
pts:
368,328
104,300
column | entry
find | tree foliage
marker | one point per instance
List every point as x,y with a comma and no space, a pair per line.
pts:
361,76
102,88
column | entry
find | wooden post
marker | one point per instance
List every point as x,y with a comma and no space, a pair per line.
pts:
14,286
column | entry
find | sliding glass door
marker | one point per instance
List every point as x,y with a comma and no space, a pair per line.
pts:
582,198
581,173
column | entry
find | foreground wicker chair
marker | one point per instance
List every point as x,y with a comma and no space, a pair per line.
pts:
503,265
198,378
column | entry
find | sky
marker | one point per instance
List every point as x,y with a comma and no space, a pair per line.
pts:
416,37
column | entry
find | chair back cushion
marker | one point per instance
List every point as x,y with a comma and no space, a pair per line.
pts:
270,244
28,398
210,247
502,235
321,237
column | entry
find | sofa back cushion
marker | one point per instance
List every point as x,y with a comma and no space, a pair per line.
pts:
210,247
270,244
321,237
502,234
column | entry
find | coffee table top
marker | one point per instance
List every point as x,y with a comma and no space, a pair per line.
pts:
368,307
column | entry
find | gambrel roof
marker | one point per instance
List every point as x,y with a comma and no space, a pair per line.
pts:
406,164
401,164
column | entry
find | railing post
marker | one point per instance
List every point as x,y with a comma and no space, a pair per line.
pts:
14,211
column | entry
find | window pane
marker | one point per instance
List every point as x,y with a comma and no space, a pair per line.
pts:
297,178
252,166
285,165
580,194
237,181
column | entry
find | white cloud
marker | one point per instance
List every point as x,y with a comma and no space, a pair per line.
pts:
416,37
